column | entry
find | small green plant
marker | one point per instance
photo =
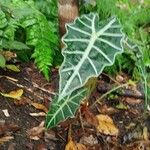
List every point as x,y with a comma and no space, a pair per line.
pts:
90,46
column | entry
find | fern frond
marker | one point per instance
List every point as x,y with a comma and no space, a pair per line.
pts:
7,29
50,10
43,57
39,35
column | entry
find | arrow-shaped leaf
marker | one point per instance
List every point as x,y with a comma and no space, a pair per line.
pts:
90,46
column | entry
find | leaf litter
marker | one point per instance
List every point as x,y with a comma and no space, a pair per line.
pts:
107,124
6,131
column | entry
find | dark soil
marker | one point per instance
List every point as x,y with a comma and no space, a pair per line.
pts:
131,121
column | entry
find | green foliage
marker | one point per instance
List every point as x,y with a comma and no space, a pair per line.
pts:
50,10
134,17
7,28
95,46
36,32
89,47
2,61
39,35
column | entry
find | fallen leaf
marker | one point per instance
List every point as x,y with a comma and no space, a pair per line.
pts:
80,147
40,114
14,94
131,125
71,145
106,125
119,78
145,133
40,107
132,101
90,117
36,132
6,139
107,109
13,68
6,128
9,55
41,147
6,113
50,135
23,101
89,140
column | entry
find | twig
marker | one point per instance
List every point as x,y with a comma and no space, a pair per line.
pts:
9,78
80,117
26,88
37,86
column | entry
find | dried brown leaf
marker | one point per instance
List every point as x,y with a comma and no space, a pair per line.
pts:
71,145
5,128
107,109
88,140
5,139
132,101
9,55
80,147
90,117
36,132
50,135
106,125
40,107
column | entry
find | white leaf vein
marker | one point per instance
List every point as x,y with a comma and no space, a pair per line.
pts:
79,78
76,40
93,66
84,24
74,52
110,44
88,18
69,109
103,54
67,69
79,30
111,34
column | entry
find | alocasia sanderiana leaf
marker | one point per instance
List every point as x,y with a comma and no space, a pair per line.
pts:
90,45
